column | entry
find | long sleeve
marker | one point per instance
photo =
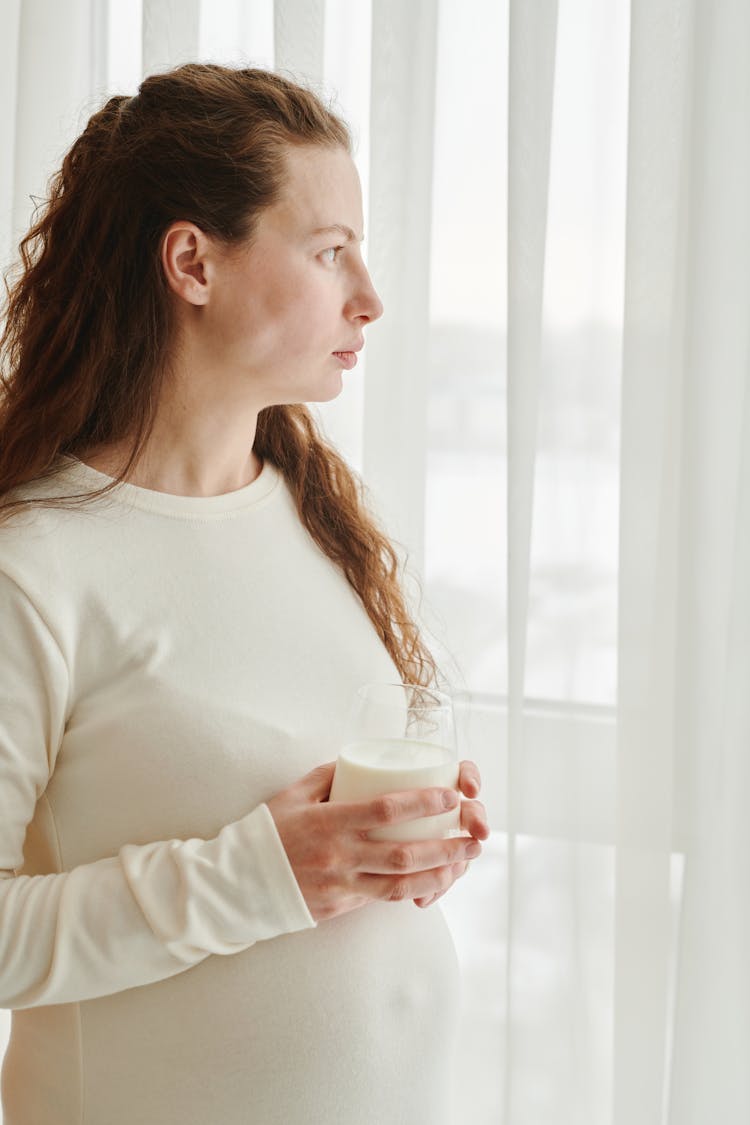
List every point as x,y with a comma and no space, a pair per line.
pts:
143,915
168,664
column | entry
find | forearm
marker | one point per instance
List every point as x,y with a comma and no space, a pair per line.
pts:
144,915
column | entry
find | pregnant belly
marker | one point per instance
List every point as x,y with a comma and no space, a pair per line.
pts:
353,1022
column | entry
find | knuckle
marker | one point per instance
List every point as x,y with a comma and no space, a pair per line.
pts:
325,911
326,856
399,891
325,887
385,809
318,773
402,858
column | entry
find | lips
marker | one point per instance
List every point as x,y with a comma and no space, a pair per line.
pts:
347,356
346,359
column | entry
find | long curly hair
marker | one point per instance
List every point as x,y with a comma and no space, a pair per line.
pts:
86,343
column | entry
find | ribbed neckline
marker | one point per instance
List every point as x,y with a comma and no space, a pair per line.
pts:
178,507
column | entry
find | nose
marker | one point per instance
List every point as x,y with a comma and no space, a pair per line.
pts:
365,302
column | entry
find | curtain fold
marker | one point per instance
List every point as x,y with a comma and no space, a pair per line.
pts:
171,33
10,20
298,27
651,405
404,39
52,85
531,70
710,1077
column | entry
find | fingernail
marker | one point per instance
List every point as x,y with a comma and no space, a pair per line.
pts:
473,850
450,798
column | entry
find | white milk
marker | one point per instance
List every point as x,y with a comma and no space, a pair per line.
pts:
387,765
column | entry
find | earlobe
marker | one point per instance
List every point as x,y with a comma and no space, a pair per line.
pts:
183,257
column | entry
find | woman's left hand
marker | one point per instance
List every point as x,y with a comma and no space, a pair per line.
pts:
473,820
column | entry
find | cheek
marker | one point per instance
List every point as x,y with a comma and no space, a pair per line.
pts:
299,317
288,315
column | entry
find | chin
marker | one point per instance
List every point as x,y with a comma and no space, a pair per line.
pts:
330,391
319,390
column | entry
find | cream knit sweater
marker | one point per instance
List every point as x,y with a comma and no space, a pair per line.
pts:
167,664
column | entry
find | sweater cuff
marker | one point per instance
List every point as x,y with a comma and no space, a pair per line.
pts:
281,883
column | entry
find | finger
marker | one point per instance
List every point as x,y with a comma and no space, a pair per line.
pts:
400,888
474,819
427,900
392,808
469,779
401,858
318,782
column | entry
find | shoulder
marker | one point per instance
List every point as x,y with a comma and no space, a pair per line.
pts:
40,541
63,480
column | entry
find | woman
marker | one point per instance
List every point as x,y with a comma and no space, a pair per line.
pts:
191,588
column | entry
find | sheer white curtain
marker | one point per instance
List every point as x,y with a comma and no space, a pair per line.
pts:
649,917
601,153
683,769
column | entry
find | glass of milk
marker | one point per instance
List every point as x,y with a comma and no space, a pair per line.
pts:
399,736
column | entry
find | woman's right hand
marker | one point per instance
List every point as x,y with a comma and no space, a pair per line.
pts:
338,868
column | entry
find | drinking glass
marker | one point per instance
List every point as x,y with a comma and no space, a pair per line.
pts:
399,736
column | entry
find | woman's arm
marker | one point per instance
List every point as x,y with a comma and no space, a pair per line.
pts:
153,910
147,913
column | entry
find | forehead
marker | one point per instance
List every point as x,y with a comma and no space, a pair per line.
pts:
322,189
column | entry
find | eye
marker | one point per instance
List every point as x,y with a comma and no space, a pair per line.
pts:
334,250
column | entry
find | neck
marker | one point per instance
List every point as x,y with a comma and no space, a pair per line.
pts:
204,458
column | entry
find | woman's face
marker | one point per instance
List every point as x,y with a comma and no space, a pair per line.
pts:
280,309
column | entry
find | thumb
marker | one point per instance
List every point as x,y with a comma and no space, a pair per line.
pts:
318,782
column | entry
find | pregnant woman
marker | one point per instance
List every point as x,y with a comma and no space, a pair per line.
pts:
191,590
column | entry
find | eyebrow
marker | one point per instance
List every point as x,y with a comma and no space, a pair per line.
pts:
338,228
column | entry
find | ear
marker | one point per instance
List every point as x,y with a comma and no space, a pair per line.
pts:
187,262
